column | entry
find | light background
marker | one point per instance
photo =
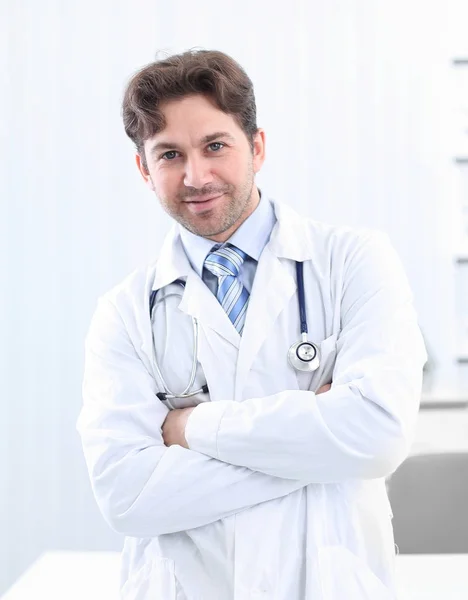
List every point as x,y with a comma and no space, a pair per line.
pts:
356,97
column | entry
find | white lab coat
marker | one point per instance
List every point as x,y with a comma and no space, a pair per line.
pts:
281,495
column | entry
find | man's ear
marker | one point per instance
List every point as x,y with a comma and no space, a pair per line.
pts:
258,150
144,172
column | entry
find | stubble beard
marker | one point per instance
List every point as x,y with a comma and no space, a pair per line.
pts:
234,209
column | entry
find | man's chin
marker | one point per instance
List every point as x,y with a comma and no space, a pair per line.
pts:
208,230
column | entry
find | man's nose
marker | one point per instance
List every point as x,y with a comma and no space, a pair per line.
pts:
197,172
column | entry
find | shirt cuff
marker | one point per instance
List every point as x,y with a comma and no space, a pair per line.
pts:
201,429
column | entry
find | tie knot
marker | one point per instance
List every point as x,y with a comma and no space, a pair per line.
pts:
226,260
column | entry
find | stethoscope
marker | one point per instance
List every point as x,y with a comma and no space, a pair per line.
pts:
302,356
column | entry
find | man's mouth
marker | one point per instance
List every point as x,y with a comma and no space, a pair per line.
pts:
202,199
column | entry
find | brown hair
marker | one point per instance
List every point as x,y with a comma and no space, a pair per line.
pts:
207,72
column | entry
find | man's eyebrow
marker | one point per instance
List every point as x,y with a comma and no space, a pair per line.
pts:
163,145
219,134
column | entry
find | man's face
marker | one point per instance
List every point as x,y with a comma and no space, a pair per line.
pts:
202,167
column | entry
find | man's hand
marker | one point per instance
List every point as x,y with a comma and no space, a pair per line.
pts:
173,429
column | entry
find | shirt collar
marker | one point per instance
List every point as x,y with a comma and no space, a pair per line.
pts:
251,237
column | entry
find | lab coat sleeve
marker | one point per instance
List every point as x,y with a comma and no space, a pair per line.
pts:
144,488
363,427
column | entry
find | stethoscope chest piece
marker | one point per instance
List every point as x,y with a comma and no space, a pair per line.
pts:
304,356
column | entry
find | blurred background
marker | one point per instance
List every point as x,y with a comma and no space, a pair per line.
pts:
365,107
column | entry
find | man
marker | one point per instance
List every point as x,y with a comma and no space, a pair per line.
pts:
269,482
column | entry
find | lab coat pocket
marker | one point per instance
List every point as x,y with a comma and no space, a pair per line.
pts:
314,380
154,581
345,575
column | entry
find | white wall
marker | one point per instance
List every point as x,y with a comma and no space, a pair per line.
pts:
354,97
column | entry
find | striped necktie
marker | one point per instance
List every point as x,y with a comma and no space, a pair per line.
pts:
232,295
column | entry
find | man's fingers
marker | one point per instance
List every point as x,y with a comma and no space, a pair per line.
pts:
323,389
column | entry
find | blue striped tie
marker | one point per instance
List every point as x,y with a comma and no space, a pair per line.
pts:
232,295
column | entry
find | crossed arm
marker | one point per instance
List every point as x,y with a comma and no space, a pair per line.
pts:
173,429
143,487
362,428
149,480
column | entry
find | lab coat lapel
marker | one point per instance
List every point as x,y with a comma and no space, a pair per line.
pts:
272,290
199,302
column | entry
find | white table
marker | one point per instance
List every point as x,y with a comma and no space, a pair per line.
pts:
95,576
69,576
433,576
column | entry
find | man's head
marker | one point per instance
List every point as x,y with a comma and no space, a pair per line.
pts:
192,118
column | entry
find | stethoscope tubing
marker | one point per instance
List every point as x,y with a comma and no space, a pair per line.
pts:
168,394
301,295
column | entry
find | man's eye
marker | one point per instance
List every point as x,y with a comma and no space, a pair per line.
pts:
170,155
215,146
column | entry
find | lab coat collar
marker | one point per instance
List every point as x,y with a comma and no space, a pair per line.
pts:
289,237
172,263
